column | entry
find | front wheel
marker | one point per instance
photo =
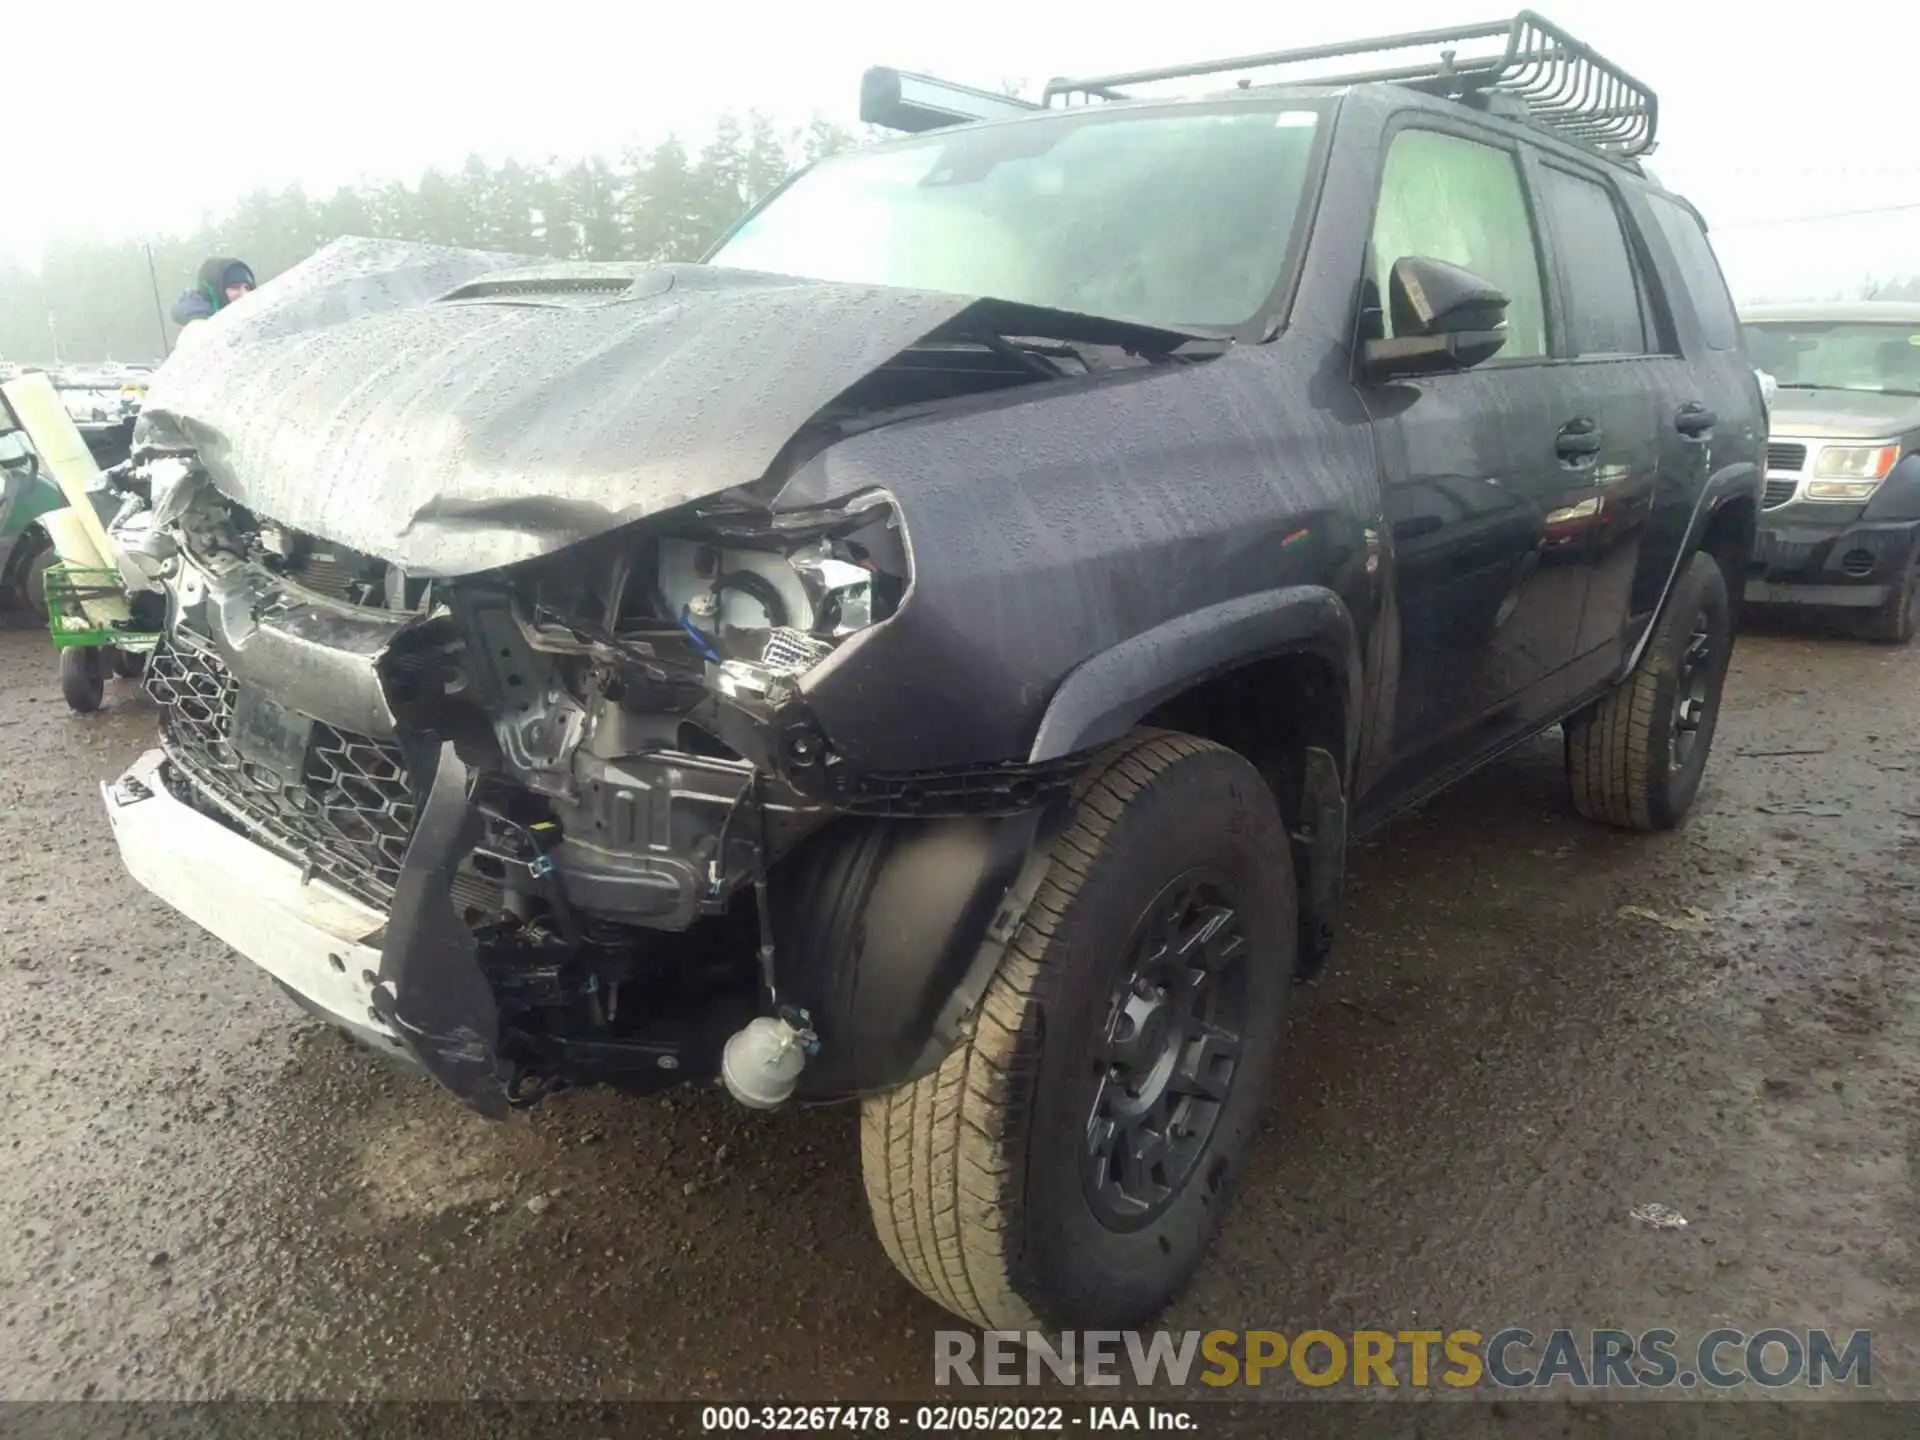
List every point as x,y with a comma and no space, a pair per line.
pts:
83,678
1071,1160
1635,760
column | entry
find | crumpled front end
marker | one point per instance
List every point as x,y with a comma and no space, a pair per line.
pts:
527,609
571,806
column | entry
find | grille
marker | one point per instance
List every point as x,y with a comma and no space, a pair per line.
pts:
346,820
1858,563
1786,457
1778,492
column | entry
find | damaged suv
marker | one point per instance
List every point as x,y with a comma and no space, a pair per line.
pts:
936,651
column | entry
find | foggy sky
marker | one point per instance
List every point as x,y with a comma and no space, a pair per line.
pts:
148,115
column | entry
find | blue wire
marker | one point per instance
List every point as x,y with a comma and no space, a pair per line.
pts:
705,646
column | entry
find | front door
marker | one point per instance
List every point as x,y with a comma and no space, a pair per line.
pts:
1475,466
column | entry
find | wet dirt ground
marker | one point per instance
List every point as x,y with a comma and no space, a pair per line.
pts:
1531,1027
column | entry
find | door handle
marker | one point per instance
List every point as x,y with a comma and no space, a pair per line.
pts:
1578,442
1695,420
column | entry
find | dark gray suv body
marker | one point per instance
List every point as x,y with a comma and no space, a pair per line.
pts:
937,651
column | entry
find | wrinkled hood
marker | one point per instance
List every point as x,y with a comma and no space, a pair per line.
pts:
453,410
1843,414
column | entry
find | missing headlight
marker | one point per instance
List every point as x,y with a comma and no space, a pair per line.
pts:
765,603
743,602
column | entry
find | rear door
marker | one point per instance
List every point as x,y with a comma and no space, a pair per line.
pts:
1473,465
1623,373
1712,419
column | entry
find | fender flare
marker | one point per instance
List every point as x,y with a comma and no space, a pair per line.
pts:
890,932
1105,695
1737,481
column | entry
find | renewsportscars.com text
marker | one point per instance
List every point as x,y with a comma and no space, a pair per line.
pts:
1510,1359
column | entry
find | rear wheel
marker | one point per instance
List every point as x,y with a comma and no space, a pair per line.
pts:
1072,1158
1895,621
1635,760
83,678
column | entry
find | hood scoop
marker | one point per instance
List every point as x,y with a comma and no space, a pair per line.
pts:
570,285
561,288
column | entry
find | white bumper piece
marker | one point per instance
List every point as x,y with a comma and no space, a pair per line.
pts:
307,935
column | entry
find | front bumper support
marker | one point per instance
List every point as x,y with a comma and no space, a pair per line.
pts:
433,992
408,983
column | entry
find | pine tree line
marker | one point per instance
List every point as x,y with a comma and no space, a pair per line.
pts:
93,299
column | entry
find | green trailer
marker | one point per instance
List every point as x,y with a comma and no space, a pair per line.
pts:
54,544
89,647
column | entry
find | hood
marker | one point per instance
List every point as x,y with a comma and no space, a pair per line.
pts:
452,411
1843,414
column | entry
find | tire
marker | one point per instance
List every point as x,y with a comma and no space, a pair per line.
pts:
127,665
83,678
982,1176
26,584
1894,622
1635,760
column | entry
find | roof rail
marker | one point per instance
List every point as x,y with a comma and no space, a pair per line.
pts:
1564,85
900,100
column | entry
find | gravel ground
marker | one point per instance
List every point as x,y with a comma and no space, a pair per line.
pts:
203,1193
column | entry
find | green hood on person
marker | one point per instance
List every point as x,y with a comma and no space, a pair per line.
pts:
209,295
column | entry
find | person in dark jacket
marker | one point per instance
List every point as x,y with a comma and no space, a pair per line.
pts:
222,281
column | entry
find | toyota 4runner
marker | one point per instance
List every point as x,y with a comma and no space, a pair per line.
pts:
936,652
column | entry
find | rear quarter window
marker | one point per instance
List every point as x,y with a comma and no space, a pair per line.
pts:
1699,271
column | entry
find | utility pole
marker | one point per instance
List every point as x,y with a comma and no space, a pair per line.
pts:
159,313
53,333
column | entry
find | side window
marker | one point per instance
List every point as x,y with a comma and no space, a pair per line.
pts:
1700,271
1596,263
1457,200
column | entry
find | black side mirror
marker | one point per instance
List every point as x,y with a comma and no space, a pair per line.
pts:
1444,318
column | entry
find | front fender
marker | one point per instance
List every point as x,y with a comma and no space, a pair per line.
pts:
1104,696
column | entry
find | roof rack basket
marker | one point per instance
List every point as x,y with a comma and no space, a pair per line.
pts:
1559,83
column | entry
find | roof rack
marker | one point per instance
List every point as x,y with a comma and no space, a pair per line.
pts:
900,100
1560,83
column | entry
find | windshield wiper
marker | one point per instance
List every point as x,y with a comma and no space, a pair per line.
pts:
1090,356
1032,358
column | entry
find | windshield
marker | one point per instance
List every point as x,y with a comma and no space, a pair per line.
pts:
1809,354
1182,219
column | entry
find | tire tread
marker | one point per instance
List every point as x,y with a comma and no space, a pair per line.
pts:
933,1153
1613,772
